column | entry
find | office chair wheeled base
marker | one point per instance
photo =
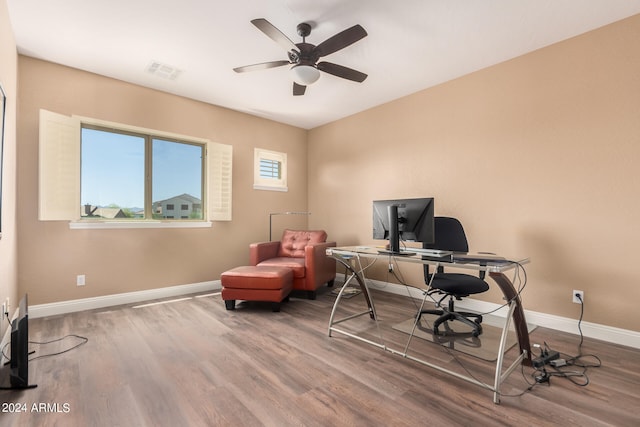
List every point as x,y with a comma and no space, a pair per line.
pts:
448,314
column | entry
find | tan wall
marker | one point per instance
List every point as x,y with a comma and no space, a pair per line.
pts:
50,255
537,156
8,243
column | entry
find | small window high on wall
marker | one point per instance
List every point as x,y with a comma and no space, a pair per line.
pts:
270,170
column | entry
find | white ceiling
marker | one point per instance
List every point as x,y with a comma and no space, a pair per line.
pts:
412,44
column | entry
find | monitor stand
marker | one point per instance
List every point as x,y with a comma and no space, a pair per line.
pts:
394,234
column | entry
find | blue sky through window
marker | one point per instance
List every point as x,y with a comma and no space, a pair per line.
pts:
177,169
113,169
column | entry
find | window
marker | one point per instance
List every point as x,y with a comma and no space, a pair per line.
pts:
112,171
270,170
178,169
118,168
91,169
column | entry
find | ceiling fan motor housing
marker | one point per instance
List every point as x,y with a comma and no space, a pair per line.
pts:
307,54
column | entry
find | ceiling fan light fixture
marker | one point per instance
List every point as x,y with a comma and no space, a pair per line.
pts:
305,74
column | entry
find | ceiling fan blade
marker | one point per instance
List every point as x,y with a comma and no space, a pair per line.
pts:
340,40
261,66
298,89
340,71
274,34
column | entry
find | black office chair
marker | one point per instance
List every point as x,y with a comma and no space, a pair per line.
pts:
450,236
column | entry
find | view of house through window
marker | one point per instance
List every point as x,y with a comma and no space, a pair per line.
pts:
177,179
134,176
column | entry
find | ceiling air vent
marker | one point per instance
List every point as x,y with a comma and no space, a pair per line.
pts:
163,70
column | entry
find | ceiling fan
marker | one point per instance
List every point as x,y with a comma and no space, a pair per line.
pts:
304,56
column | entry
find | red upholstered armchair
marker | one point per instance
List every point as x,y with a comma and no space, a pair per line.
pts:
304,252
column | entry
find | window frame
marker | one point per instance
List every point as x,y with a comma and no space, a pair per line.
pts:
149,137
269,183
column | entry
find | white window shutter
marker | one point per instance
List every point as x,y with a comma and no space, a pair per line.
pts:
59,169
219,157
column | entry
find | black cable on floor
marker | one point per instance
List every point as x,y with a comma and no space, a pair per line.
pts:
84,340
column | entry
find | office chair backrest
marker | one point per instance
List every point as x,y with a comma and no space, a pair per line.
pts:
449,235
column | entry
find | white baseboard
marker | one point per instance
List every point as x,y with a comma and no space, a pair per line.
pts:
592,330
62,307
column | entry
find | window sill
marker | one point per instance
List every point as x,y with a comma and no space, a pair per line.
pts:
268,188
95,225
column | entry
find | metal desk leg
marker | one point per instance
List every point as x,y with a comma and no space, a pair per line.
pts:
365,291
499,376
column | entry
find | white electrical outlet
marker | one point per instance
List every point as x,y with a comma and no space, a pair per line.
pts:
80,280
575,298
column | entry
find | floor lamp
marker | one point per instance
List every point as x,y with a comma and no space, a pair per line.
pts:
271,215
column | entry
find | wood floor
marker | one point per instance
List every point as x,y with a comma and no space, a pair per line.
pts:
192,363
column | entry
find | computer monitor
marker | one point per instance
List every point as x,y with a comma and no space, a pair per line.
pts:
403,219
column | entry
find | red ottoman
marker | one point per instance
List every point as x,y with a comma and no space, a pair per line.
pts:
256,283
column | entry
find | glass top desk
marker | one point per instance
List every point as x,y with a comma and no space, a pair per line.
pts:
495,268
